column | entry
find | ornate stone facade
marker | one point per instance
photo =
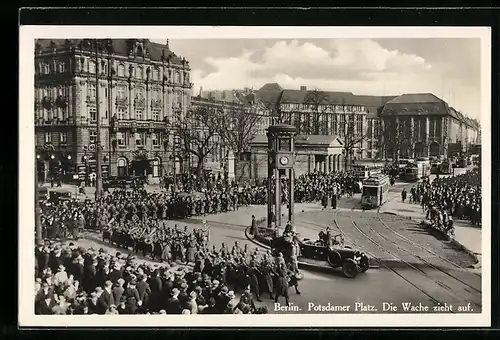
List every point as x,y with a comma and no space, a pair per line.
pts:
141,83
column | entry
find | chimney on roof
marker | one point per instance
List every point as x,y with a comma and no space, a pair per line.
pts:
303,88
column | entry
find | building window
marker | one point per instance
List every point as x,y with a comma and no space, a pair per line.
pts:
92,137
120,139
177,77
138,72
121,113
121,70
92,68
139,138
156,74
138,114
92,91
359,127
154,139
48,137
46,68
62,67
63,138
120,92
368,154
93,114
156,115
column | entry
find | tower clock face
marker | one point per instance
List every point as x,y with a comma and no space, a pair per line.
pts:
284,160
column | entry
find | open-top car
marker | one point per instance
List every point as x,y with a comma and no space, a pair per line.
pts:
337,254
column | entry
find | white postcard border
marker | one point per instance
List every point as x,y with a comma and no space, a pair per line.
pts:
27,318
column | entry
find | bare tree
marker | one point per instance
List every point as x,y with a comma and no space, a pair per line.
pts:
195,138
314,100
352,138
235,124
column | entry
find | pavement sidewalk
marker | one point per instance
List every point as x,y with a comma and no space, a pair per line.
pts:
465,233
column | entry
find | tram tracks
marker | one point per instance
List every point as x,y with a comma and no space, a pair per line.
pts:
423,247
424,290
427,275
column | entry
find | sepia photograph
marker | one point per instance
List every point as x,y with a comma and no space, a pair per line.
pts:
327,176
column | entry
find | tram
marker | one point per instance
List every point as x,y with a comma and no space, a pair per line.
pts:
445,168
375,191
414,172
365,171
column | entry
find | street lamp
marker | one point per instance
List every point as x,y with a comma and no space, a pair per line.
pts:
52,156
37,156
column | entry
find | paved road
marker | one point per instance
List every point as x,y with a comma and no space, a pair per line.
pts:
416,268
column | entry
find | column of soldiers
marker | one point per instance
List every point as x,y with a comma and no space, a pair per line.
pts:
74,280
68,217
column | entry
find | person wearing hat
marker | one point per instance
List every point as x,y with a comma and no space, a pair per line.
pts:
122,307
144,291
61,276
191,304
106,299
210,309
112,310
90,277
247,298
44,300
183,295
173,305
78,268
118,290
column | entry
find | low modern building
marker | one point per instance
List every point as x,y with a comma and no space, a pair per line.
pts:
140,84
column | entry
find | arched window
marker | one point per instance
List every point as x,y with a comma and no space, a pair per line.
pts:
155,164
121,70
138,72
139,51
122,167
177,77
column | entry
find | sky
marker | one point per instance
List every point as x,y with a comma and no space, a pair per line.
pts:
446,67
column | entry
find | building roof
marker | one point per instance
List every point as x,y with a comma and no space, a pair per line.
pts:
271,87
120,46
414,98
373,103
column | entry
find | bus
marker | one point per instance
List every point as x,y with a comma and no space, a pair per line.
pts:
414,172
365,171
375,191
445,168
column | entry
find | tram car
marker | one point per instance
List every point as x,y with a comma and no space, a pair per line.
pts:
414,172
435,167
445,168
337,255
375,191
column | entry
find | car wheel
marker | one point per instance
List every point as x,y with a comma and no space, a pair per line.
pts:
334,258
349,268
364,264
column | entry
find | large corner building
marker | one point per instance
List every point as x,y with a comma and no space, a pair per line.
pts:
140,84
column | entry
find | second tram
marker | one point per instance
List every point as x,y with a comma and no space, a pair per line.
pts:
445,168
414,172
375,191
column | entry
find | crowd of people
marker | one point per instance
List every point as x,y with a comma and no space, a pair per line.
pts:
452,197
74,280
67,217
208,280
